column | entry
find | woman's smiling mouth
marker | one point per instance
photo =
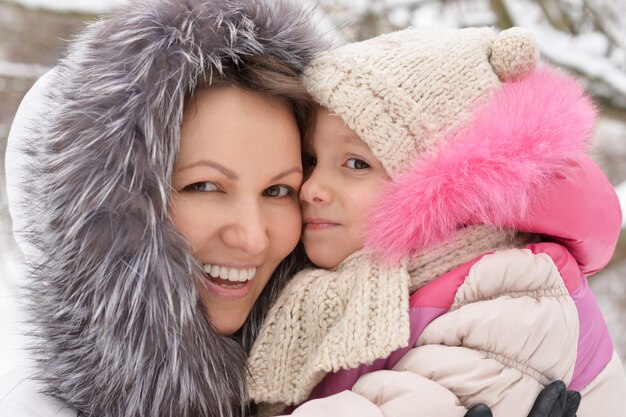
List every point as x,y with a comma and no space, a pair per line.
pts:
228,282
229,273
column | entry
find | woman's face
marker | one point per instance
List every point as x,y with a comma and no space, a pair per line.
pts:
236,184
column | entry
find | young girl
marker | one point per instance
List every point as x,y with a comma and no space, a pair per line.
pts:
463,168
131,131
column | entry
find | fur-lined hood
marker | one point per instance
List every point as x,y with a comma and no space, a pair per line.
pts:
119,330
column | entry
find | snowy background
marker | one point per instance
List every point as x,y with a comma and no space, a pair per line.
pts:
586,37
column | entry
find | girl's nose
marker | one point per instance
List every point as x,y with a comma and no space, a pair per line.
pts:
248,230
316,189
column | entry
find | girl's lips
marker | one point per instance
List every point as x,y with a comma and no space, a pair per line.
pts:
220,287
314,226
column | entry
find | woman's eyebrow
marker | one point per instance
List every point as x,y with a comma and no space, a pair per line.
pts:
285,173
229,173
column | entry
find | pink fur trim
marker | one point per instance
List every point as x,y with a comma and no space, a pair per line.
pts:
489,171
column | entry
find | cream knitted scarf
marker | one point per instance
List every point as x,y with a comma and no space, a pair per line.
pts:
327,320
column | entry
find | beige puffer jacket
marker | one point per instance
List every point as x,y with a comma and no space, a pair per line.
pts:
494,330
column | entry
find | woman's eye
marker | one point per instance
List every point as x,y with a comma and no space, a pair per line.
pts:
308,160
356,163
278,191
202,187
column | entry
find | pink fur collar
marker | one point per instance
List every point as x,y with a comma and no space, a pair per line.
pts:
490,170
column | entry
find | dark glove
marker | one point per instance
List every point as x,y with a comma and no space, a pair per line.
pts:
556,401
479,410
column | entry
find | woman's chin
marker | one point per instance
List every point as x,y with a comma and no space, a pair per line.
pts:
227,324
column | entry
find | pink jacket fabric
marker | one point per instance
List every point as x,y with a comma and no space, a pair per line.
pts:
499,328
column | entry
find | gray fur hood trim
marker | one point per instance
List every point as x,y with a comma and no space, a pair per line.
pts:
119,328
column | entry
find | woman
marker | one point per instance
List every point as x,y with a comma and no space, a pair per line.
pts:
114,256
144,245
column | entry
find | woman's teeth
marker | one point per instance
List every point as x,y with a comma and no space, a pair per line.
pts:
229,274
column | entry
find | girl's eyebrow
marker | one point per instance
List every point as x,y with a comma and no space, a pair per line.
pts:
229,173
352,138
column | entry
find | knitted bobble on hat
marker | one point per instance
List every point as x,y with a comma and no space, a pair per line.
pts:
514,54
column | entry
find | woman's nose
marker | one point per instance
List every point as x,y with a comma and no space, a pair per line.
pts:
248,230
316,190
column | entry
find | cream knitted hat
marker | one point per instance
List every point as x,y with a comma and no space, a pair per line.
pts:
401,91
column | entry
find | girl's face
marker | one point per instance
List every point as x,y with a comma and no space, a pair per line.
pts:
343,178
235,199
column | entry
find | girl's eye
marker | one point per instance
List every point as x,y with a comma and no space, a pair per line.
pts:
278,191
356,163
202,187
308,160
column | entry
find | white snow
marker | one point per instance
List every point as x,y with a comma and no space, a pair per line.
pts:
584,53
20,70
77,6
400,17
621,194
475,13
11,327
